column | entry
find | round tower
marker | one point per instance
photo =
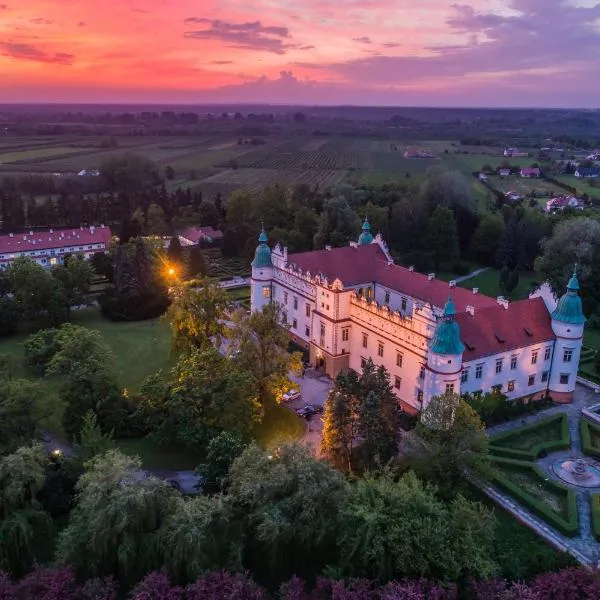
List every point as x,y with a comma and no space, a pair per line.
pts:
444,356
262,274
365,237
567,324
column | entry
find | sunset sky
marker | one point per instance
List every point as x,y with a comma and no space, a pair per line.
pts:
379,52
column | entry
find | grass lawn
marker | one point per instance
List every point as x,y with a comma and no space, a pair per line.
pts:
528,437
488,284
582,185
279,425
154,456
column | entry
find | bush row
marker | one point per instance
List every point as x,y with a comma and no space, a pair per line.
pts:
587,354
495,408
588,374
595,501
588,446
568,526
563,443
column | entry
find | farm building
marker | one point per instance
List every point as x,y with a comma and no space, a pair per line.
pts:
49,248
561,202
348,304
503,172
587,172
192,236
529,172
514,152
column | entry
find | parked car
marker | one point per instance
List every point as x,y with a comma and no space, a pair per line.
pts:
291,395
308,411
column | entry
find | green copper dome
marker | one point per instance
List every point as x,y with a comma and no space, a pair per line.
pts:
365,237
262,255
568,310
446,339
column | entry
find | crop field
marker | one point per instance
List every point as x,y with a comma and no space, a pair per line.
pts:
525,187
582,185
19,155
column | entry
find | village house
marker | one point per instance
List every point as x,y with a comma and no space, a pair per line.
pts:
192,236
350,304
503,172
514,152
561,202
587,172
529,172
49,248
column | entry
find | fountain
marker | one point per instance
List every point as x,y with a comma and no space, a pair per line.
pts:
577,471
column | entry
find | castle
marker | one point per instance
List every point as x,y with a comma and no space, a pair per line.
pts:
346,305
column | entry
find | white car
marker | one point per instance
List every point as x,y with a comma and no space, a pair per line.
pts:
291,395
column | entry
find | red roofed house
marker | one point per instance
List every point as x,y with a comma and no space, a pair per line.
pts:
192,236
49,248
529,172
349,304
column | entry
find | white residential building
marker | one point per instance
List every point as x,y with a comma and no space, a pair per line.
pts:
346,305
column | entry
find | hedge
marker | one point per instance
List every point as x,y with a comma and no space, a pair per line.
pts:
570,526
587,446
587,355
564,443
591,375
595,501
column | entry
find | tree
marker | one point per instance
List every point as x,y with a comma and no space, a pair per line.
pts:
156,221
208,214
222,450
197,316
486,239
196,266
91,440
175,253
288,505
115,520
442,187
392,529
75,278
102,264
170,173
20,414
573,241
22,518
207,394
512,282
129,172
504,277
10,315
449,439
338,224
261,341
442,237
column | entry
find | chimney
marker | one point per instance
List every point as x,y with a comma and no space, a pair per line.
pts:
328,248
353,245
411,268
470,310
452,283
431,276
11,235
31,233
502,301
475,290
52,231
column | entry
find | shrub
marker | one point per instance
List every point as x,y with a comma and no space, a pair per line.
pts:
590,438
461,267
41,347
495,407
568,525
500,444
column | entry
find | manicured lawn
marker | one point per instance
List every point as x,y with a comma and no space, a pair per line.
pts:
154,456
279,425
488,284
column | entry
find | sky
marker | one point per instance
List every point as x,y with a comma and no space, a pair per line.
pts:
324,52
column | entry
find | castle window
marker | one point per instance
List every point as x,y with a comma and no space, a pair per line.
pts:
307,311
547,353
511,386
294,324
464,376
266,292
534,357
422,373
499,365
307,332
387,298
399,357
284,317
363,362
345,334
295,303
449,388
513,362
322,336
380,349
478,371
285,297
397,382
564,378
568,355
403,305
545,376
531,380
420,396
365,340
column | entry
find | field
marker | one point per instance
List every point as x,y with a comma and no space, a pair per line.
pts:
525,187
582,185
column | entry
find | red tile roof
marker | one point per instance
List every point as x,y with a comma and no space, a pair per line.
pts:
195,234
368,264
497,329
58,238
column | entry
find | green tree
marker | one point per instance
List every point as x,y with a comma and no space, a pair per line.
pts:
23,522
261,341
20,414
442,187
91,440
197,316
338,224
442,237
504,277
175,253
129,172
512,281
486,239
449,439
170,173
208,214
10,315
75,278
288,505
113,527
156,221
222,450
394,529
196,265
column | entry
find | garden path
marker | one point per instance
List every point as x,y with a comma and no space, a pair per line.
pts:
584,547
471,274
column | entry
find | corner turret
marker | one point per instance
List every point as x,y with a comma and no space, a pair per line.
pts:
262,274
365,237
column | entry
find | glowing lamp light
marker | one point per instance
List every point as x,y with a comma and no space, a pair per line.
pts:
57,453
